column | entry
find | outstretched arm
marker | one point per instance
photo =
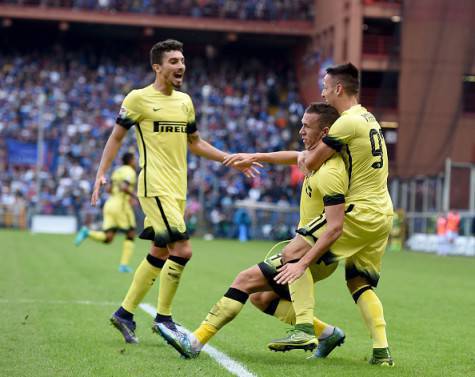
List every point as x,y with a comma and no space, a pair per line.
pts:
202,148
110,151
317,156
247,159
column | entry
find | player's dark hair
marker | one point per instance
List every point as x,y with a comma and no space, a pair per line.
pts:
158,49
347,75
327,114
127,157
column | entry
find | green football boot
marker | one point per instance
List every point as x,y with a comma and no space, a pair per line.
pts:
382,356
295,340
328,344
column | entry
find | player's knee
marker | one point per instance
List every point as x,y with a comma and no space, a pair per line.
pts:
181,249
246,280
258,300
159,252
109,238
293,252
184,252
357,286
356,283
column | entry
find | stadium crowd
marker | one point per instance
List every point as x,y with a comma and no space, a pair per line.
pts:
227,9
240,108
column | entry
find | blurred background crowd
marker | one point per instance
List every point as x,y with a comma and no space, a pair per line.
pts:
67,65
227,9
242,105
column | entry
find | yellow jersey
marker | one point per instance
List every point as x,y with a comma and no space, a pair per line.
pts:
120,175
161,125
359,138
326,186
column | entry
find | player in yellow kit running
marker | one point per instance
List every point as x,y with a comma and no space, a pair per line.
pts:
165,127
118,213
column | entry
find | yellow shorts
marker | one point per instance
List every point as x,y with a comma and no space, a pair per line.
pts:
320,270
362,243
164,220
118,216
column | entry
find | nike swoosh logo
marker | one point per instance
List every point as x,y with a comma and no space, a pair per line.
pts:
156,108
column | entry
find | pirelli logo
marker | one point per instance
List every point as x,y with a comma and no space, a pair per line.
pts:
167,126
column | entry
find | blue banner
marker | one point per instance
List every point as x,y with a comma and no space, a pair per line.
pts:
25,154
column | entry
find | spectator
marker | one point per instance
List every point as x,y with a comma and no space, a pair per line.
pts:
442,235
70,97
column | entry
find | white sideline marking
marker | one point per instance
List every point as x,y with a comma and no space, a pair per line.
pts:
221,358
59,302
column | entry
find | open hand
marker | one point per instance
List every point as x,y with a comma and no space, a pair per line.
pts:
244,162
249,172
289,272
101,181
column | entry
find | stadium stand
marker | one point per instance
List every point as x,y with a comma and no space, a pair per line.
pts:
230,9
76,95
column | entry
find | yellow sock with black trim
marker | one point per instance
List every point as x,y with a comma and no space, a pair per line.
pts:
97,235
127,251
372,312
144,277
303,299
205,332
321,328
223,312
169,281
284,311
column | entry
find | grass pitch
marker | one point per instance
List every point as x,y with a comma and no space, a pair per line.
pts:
56,299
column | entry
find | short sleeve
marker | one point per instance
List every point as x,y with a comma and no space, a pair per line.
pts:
129,114
333,184
129,176
191,125
132,178
340,134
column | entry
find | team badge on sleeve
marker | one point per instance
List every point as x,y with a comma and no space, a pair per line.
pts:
123,113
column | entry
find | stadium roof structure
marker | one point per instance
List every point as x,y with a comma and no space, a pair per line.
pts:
299,28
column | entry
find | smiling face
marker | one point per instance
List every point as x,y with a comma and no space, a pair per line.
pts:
172,68
310,131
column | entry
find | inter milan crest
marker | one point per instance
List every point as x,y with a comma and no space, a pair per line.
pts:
123,113
184,108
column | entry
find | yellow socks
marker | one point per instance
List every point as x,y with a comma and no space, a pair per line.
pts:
204,333
322,329
127,251
96,235
169,280
224,311
303,300
372,312
144,278
284,311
